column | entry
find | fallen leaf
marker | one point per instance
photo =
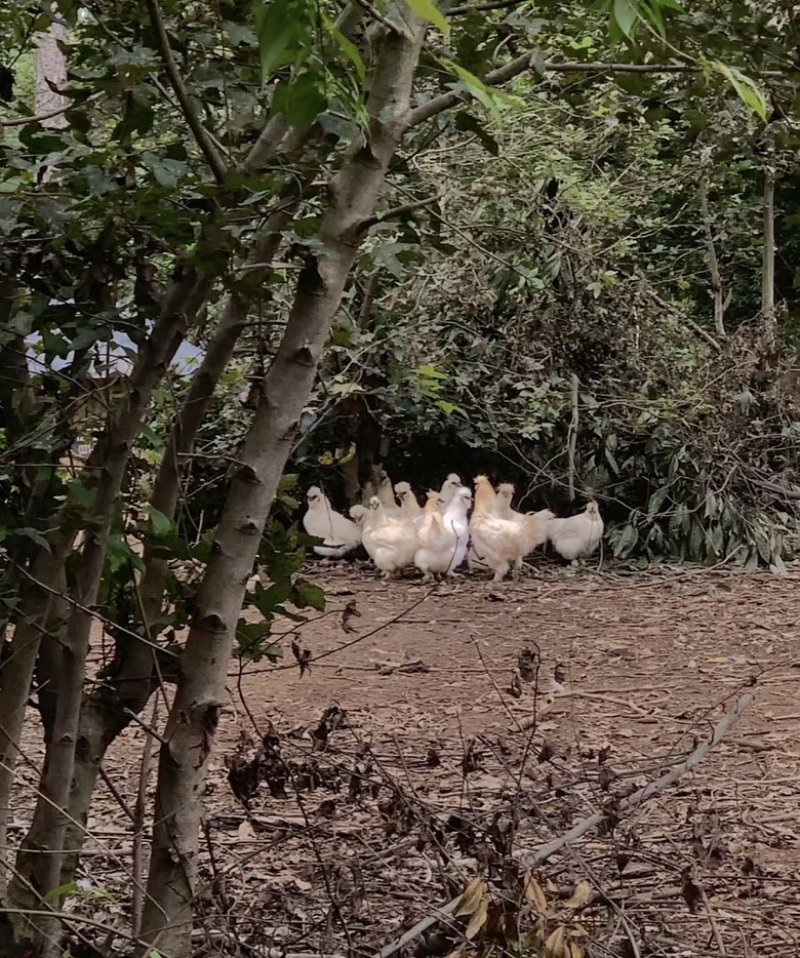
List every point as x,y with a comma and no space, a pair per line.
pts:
246,832
581,895
534,894
471,898
478,919
554,946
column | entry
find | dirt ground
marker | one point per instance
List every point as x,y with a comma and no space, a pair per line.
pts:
446,764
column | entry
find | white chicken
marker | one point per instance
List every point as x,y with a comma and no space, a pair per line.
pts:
443,537
339,535
538,529
449,486
391,542
502,542
577,536
409,507
379,484
358,514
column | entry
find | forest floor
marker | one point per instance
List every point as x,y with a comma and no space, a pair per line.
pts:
442,765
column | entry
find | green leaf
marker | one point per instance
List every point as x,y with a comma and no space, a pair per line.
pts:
349,49
448,408
268,600
283,28
624,544
161,524
305,594
476,87
61,892
250,636
466,123
301,100
626,16
745,88
430,372
166,172
34,535
427,10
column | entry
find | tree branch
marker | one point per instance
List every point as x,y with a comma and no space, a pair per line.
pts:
378,17
203,139
529,61
543,852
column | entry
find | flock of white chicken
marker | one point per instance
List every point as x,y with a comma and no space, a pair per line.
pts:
398,533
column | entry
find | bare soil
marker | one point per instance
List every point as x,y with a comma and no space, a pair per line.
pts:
445,764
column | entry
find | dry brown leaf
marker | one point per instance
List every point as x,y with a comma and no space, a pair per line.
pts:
575,950
478,919
246,832
534,894
581,895
554,946
471,898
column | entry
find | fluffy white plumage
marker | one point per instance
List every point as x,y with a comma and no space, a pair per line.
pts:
577,536
536,523
379,484
502,542
339,535
443,537
409,507
390,541
449,486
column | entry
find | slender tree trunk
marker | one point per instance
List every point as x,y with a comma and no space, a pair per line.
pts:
51,71
768,247
189,734
38,865
108,710
720,302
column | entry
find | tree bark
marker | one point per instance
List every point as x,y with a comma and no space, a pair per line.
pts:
720,302
108,710
768,247
38,865
189,734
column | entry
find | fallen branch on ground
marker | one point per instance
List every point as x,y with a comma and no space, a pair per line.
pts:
543,852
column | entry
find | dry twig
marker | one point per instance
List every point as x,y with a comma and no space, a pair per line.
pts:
578,831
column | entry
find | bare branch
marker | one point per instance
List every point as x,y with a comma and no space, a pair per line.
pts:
530,61
40,118
200,134
378,17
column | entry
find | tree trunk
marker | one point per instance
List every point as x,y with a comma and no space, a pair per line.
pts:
768,248
39,860
108,710
51,71
720,302
183,757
